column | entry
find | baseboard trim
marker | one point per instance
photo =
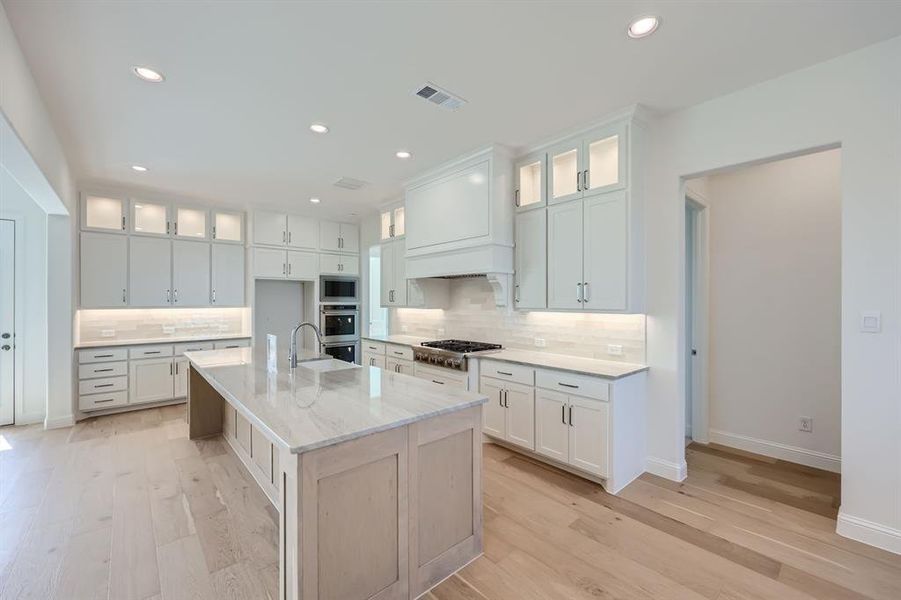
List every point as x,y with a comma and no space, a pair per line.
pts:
869,532
795,454
59,422
667,469
29,419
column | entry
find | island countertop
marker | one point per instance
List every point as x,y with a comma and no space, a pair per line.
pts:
310,408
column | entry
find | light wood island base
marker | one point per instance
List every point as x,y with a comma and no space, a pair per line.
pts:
385,516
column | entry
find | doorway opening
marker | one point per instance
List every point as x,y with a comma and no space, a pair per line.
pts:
7,322
378,316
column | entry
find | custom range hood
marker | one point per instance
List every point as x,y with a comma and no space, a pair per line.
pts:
459,221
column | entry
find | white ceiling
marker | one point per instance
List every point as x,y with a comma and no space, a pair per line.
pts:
245,79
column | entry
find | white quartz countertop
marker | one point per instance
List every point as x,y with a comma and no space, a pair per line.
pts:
166,340
403,340
310,409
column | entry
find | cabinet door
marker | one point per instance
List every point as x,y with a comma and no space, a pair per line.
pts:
385,223
588,435
329,263
405,367
605,157
228,275
151,380
190,273
104,270
228,226
552,424
349,237
150,272
564,172
269,263
399,223
564,255
191,223
303,232
303,265
270,228
605,252
181,378
373,360
387,264
494,415
150,218
530,260
350,265
400,273
101,213
329,235
519,401
529,175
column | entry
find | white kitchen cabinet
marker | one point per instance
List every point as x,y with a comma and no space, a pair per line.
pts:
180,382
104,213
150,272
564,255
605,252
270,228
339,264
494,415
551,424
564,171
399,365
530,259
393,274
190,273
440,376
150,218
104,270
229,344
510,411
588,435
227,275
228,226
371,359
303,232
269,263
151,380
303,265
191,223
593,163
392,223
529,188
343,237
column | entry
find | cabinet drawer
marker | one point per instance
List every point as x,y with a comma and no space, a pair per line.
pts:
441,376
373,347
572,383
110,369
150,351
401,352
507,371
107,384
224,345
192,347
102,355
101,401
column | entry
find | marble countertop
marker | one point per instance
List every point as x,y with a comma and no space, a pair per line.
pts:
166,340
310,409
403,340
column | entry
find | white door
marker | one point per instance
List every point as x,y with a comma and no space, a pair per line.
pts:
588,435
151,380
387,273
494,415
269,228
329,235
605,252
150,271
227,275
7,321
350,237
104,270
190,273
303,265
400,273
270,264
564,175
564,255
303,232
551,425
181,378
530,260
519,401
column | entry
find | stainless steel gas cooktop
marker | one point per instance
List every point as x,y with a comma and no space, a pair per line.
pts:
451,354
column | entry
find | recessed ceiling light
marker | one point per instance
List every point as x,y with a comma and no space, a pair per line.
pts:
314,200
318,128
643,26
148,74
138,168
402,154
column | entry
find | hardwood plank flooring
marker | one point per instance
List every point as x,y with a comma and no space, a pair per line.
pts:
126,506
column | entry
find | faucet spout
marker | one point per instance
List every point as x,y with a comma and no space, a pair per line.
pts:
292,355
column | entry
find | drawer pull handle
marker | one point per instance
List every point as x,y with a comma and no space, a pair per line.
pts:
397,353
152,351
569,385
102,385
372,347
438,382
102,370
563,415
103,401
103,356
505,373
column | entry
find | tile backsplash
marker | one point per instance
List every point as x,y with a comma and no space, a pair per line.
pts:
116,325
472,315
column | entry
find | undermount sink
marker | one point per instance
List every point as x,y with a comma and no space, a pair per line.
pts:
327,364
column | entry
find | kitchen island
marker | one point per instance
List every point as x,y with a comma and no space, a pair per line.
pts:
376,475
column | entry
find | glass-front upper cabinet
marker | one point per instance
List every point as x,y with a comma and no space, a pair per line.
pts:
604,162
102,213
190,223
228,226
529,189
565,172
149,218
392,222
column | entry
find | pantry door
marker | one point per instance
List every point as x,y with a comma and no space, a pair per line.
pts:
7,321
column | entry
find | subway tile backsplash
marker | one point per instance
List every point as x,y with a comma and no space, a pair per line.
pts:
117,325
472,315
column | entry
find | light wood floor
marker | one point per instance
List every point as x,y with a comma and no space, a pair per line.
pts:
127,507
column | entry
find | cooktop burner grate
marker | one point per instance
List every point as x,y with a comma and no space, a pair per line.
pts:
461,346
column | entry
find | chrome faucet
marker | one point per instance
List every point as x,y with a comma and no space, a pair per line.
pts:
292,354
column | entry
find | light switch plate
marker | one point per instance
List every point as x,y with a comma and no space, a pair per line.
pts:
540,342
107,333
404,329
615,349
871,322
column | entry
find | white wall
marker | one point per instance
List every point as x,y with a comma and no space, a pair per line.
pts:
775,307
278,308
854,100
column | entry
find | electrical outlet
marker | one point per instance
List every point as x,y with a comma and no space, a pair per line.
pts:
806,424
404,329
108,333
540,343
615,349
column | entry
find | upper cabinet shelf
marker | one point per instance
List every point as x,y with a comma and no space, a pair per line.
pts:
104,213
392,223
586,165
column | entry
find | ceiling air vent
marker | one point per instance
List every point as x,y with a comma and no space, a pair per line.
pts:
349,183
440,96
